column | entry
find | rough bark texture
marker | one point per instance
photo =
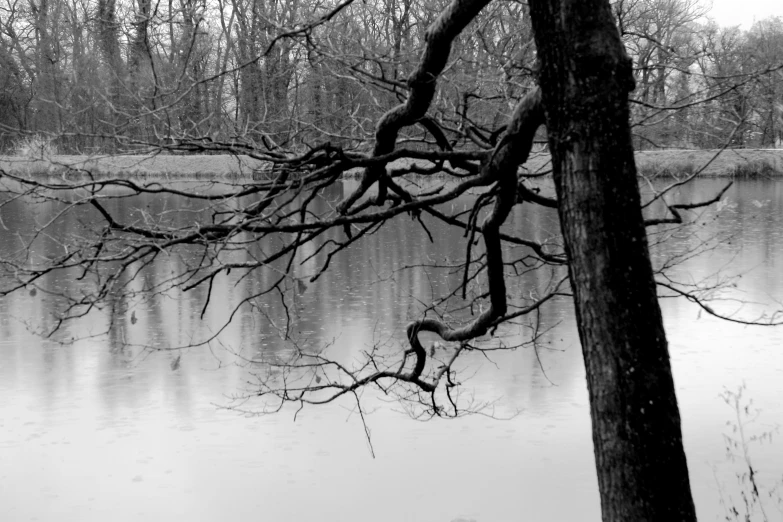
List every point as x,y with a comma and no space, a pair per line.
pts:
585,80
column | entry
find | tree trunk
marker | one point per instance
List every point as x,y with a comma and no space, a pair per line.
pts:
585,79
47,114
109,42
141,74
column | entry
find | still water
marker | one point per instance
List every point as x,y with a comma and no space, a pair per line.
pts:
102,429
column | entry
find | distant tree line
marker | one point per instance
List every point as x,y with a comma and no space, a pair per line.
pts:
114,75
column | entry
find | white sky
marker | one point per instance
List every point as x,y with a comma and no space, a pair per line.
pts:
743,12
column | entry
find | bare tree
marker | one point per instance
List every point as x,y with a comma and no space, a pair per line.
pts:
263,227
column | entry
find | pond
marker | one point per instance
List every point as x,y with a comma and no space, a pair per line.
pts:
101,428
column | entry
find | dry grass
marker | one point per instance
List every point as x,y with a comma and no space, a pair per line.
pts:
172,166
731,162
677,163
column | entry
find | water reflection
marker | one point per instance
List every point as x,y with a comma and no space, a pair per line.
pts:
102,429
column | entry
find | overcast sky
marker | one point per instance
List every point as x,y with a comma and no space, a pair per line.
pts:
744,12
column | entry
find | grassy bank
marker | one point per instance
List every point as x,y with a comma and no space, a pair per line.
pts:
731,162
678,163
136,166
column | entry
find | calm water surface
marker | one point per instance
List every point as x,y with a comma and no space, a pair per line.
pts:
102,429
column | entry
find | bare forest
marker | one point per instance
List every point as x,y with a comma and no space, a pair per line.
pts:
105,76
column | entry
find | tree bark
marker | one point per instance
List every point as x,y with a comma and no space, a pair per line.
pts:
47,115
585,78
108,38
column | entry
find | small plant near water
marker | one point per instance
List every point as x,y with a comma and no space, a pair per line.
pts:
655,170
754,169
36,147
754,495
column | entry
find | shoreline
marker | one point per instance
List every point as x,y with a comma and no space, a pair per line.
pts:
674,163
658,163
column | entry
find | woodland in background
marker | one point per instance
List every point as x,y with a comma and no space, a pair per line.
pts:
476,78
117,76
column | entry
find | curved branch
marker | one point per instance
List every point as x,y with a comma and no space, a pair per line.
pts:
421,83
674,209
772,321
509,153
500,168
525,194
